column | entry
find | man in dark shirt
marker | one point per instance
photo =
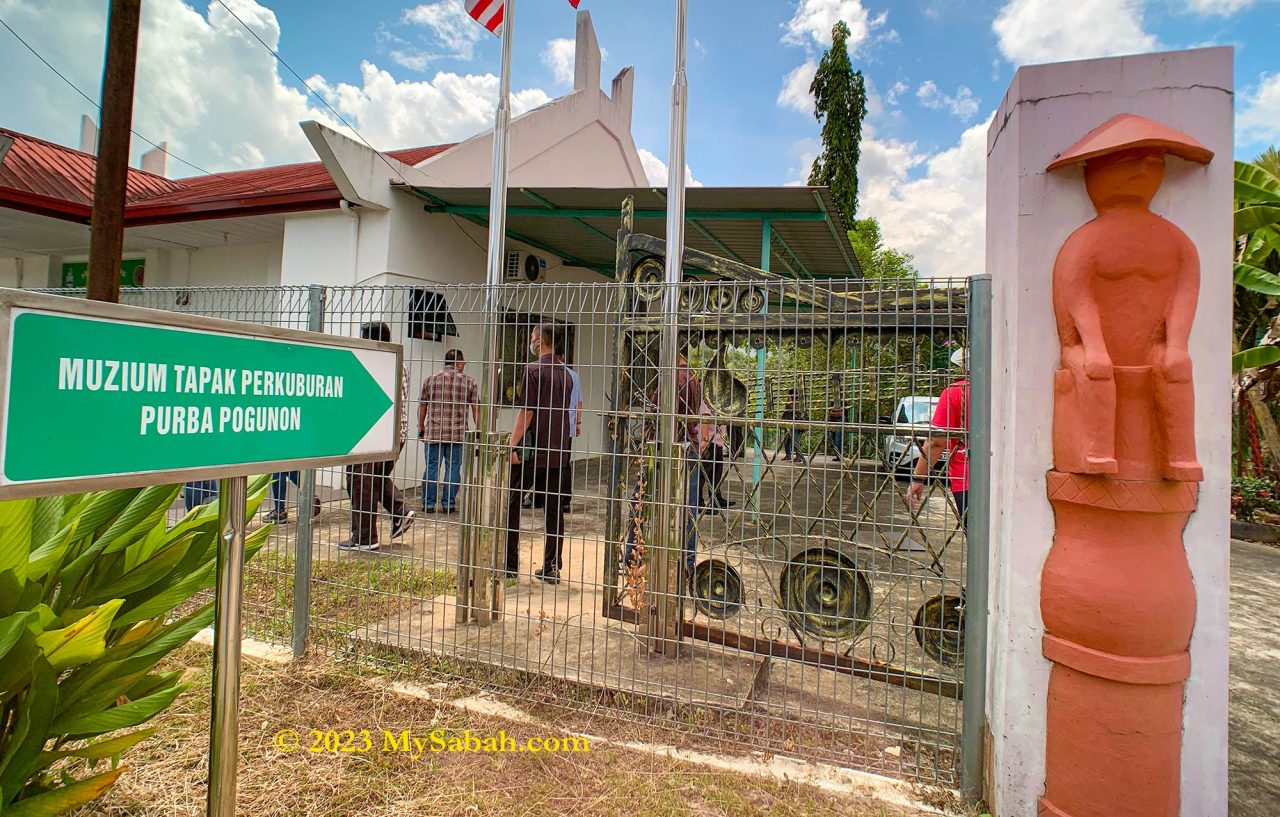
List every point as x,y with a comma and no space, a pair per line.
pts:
540,444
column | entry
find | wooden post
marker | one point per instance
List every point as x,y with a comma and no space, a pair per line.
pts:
106,239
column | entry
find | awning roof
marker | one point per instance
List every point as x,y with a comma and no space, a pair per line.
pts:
580,225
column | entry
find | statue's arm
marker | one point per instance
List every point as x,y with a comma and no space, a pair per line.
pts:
1079,323
1182,312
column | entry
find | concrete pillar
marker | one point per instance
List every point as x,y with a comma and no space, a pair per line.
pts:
1030,213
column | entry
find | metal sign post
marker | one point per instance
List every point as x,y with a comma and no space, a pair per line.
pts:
173,398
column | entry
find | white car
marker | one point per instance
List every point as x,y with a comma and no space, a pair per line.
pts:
911,419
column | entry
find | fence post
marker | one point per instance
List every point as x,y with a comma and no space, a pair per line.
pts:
306,500
976,559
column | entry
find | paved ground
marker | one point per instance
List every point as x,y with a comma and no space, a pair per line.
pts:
1255,680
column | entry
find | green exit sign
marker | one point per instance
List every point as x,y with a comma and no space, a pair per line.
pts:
75,274
102,395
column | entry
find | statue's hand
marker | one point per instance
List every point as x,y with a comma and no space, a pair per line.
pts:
1177,365
1097,365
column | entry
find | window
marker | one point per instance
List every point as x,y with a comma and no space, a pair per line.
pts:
513,350
429,317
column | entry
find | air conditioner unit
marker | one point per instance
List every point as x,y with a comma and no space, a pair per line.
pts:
511,271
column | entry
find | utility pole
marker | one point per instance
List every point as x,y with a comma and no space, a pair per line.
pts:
106,224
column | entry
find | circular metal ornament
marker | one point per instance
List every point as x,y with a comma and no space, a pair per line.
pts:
939,628
751,301
725,394
691,299
648,275
824,595
757,341
716,588
721,300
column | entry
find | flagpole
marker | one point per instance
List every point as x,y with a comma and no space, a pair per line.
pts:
480,593
497,225
664,566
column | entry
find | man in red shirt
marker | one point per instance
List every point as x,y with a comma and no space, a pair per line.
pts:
951,415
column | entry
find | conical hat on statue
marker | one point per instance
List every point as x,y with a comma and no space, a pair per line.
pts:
1127,131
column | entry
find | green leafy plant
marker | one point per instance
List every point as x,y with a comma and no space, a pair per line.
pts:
89,586
1250,495
1257,226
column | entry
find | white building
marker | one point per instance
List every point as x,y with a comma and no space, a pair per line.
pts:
402,218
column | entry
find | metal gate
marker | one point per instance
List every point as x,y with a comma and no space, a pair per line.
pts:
741,597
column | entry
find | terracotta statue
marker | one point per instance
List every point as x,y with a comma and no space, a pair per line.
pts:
1125,287
1117,596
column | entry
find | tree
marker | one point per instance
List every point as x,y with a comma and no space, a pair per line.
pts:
878,261
840,103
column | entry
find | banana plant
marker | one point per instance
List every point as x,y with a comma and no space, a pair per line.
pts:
1257,226
89,586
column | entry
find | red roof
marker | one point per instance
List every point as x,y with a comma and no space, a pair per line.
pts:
42,177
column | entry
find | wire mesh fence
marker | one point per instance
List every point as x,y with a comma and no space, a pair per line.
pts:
766,570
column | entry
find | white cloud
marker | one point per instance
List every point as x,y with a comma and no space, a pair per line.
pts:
1258,119
656,170
939,216
795,87
1220,8
813,20
802,152
896,90
216,95
962,104
1035,31
455,32
559,57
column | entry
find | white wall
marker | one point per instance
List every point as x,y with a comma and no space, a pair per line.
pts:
1029,215
232,265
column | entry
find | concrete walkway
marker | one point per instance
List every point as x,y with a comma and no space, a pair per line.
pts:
1255,680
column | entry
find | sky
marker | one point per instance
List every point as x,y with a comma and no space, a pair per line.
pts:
405,74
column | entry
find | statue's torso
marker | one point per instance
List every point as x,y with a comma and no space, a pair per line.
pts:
1134,261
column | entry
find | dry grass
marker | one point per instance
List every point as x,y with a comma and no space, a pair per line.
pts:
345,594
166,774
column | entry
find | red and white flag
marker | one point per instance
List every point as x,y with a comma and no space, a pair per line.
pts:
489,13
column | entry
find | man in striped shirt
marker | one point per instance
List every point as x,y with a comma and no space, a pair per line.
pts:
443,406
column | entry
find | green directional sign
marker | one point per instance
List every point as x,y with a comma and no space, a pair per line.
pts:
105,393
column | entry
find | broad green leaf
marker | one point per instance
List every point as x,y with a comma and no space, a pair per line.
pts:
103,507
1254,184
1256,279
65,798
31,729
146,511
10,590
143,575
178,633
15,534
169,597
11,629
1255,358
15,669
119,717
46,520
45,556
1256,217
82,641
100,749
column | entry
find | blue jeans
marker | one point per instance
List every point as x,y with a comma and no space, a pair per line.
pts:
836,438
694,503
280,487
791,443
451,453
198,493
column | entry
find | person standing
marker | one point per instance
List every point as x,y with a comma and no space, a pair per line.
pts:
540,443
575,422
951,415
370,483
195,494
689,404
791,413
443,405
279,492
835,428
712,441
